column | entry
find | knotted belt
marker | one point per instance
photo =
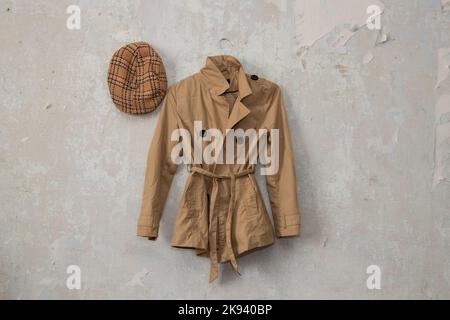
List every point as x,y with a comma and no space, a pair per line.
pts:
213,219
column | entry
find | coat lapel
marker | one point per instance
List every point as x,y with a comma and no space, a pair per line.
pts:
219,85
239,112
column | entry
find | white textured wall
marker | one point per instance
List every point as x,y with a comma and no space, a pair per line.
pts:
369,120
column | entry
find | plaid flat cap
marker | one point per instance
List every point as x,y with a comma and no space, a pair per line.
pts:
137,79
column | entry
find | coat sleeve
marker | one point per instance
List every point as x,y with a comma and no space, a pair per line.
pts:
160,170
281,183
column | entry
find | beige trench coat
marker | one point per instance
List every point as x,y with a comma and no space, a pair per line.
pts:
222,213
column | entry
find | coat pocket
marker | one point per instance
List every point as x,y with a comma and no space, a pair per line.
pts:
192,200
193,205
251,200
251,204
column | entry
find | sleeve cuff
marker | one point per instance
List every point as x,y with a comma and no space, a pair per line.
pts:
290,231
288,226
148,232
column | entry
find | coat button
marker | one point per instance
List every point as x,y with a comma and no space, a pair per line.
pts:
254,77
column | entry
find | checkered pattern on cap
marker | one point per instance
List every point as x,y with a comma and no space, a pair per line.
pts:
136,78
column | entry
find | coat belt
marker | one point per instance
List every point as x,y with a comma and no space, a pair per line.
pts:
213,218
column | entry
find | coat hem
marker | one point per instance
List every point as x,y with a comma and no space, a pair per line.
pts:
242,250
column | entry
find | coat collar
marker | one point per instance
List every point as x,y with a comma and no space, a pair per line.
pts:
214,71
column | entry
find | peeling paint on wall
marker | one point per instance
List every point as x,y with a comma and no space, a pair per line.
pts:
138,278
315,19
368,57
442,120
443,65
445,6
382,38
442,139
